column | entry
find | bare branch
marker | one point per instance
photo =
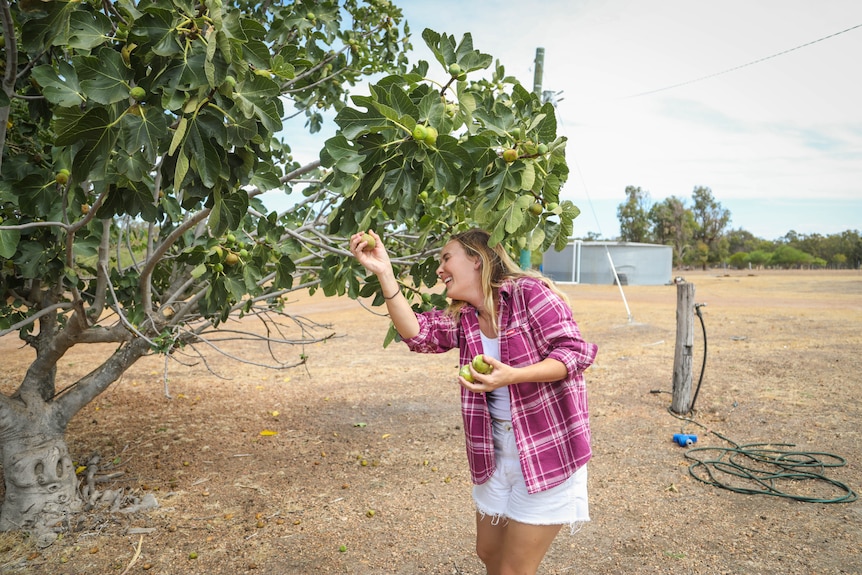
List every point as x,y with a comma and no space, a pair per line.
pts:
101,276
32,318
123,319
8,83
160,251
31,225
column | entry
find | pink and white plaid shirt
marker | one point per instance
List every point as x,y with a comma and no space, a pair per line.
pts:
550,420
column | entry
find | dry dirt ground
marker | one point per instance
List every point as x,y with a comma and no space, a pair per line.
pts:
366,472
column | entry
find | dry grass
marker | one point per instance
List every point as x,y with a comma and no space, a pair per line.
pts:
366,429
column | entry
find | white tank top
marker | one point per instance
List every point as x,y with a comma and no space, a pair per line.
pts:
498,400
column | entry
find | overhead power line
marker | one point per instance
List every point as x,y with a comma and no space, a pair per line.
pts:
752,63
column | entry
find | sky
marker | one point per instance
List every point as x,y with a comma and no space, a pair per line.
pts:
760,101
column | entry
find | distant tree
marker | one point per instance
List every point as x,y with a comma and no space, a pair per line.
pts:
742,241
673,225
835,249
592,237
710,221
739,260
852,239
701,254
790,257
633,215
759,258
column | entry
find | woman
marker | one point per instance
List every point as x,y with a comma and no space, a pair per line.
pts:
526,422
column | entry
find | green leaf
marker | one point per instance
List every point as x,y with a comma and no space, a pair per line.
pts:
258,97
401,103
51,29
504,177
391,335
59,86
547,128
143,133
236,287
35,196
181,169
528,176
354,122
536,239
203,149
338,152
9,243
282,68
156,28
514,217
88,29
133,198
178,136
93,136
284,272
104,78
449,162
33,259
228,211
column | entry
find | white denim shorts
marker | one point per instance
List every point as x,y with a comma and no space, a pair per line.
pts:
504,495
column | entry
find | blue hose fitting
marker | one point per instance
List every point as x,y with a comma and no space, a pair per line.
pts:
684,439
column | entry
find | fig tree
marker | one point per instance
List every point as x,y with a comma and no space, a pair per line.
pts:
536,209
137,93
455,70
510,155
543,149
430,135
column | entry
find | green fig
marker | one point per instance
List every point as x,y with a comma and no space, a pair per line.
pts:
481,366
465,373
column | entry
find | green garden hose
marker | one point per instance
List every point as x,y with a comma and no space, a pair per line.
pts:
769,469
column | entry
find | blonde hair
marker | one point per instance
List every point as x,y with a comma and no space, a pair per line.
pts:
497,267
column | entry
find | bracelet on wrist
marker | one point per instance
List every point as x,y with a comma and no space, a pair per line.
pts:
398,291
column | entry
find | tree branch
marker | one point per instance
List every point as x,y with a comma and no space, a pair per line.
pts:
32,318
160,250
8,83
101,275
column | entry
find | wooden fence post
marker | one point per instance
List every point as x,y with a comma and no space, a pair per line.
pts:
682,355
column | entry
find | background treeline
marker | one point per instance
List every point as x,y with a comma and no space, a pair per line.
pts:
699,235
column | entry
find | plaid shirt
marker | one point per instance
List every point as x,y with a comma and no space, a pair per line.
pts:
550,420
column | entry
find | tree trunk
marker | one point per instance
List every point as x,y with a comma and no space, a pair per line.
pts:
41,487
